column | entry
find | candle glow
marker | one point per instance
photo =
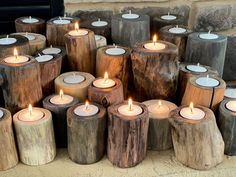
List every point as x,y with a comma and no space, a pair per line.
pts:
105,77
86,105
61,94
191,107
159,103
30,110
76,26
130,103
15,53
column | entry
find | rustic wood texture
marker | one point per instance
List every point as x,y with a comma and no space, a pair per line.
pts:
226,122
127,137
101,42
35,139
107,96
180,40
59,119
8,152
159,131
197,144
55,32
128,32
81,52
38,27
117,66
86,136
209,97
80,90
22,46
21,84
155,72
185,75
207,52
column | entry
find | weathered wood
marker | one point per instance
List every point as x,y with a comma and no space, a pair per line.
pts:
8,152
21,84
180,40
197,144
79,90
127,137
86,136
128,32
56,32
100,41
155,72
38,27
117,66
59,119
22,46
107,96
81,52
35,139
207,52
209,97
159,131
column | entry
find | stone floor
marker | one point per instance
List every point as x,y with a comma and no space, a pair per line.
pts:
155,164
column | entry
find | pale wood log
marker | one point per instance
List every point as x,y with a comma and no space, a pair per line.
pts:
100,41
38,27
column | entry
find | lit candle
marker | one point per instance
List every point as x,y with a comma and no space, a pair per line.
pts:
231,105
177,30
29,36
61,99
7,40
16,59
44,58
192,113
77,31
74,79
30,114
154,45
130,15
115,50
30,20
51,50
209,36
86,110
160,110
104,82
230,93
207,81
61,21
168,17
196,68
99,23
130,109
1,114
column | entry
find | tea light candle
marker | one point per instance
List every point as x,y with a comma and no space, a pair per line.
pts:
104,82
1,114
61,21
168,17
160,110
192,113
207,81
99,23
154,45
29,37
97,37
177,30
130,109
208,36
44,58
30,20
7,40
74,79
61,99
130,16
86,110
230,93
30,114
231,105
16,59
51,50
196,68
115,50
77,31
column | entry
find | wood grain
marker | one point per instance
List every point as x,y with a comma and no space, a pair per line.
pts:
38,27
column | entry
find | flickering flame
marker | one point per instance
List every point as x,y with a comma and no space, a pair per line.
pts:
76,26
86,105
105,77
159,103
130,103
61,94
15,52
154,39
30,109
191,107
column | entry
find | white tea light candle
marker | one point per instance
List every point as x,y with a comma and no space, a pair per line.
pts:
168,17
61,21
231,105
104,82
130,16
29,36
1,114
160,110
7,40
44,58
207,81
51,50
30,114
115,50
16,59
177,30
77,31
99,23
86,110
130,109
154,45
208,36
192,113
196,68
30,20
74,79
230,93
61,99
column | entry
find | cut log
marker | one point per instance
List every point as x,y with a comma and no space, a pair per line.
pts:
100,41
197,144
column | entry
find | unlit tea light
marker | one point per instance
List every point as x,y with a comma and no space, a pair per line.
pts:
30,114
61,99
62,21
230,93
29,36
168,17
104,82
231,105
74,79
30,20
7,40
209,36
196,68
51,50
97,37
207,81
154,45
1,114
44,58
16,59
130,109
115,51
177,30
192,113
130,15
86,110
77,31
99,23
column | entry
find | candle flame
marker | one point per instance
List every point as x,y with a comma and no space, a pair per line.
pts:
191,107
76,26
30,109
159,103
15,53
105,77
86,105
154,39
61,94
130,103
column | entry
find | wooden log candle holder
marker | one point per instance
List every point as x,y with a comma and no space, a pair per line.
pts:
100,41
129,29
35,136
116,61
208,49
127,134
58,105
159,131
206,91
30,25
8,152
9,42
74,83
56,29
197,140
177,35
155,68
86,133
20,82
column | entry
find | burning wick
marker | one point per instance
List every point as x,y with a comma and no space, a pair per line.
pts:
77,26
86,105
15,53
105,77
130,103
30,109
61,94
155,39
159,104
191,107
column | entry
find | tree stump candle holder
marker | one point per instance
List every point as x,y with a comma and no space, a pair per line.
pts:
30,25
187,70
207,91
159,131
129,29
155,69
127,134
177,35
9,42
57,28
196,138
103,93
101,41
208,49
58,105
116,61
74,83
230,91
82,58
50,69
8,152
35,136
86,125
20,82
